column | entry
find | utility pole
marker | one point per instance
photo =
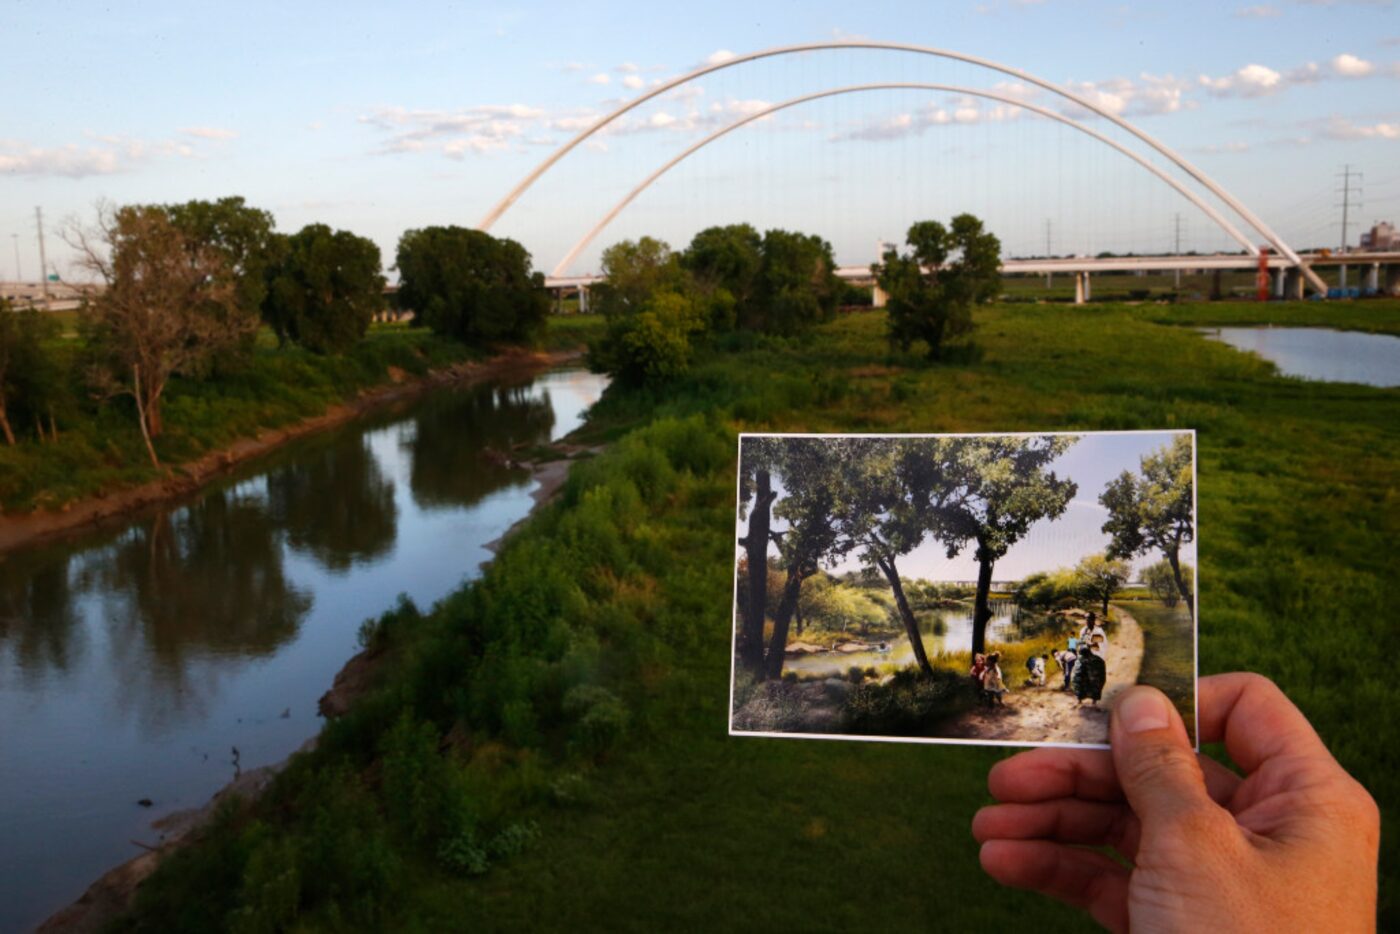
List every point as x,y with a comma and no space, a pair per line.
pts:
1047,250
19,273
1347,175
43,261
1177,272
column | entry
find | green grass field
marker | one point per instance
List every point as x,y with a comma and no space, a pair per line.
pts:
580,689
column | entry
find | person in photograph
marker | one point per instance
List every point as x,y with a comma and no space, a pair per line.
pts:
1093,633
1066,658
993,686
1090,673
979,666
1035,665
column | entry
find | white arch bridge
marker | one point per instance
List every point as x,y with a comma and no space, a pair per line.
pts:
1285,258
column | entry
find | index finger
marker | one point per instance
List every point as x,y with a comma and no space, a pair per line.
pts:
1255,718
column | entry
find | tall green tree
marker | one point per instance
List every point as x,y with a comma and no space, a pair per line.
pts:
653,314
470,285
634,271
1161,580
933,287
1100,577
324,288
1006,489
797,284
725,264
243,236
1154,510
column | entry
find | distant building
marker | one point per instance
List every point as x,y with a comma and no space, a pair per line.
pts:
1381,238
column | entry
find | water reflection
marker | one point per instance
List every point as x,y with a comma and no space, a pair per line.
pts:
335,503
461,445
38,618
205,578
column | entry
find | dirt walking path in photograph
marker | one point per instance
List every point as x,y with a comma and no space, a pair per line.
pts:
1047,714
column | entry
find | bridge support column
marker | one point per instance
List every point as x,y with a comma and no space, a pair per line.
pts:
583,299
1392,280
1293,283
878,298
1373,280
1281,282
1082,290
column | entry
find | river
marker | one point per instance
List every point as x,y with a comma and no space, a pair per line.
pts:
1321,353
134,661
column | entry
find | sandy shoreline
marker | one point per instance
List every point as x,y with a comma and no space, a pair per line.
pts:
18,530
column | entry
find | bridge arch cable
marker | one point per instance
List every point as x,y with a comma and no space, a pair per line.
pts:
1193,197
1239,208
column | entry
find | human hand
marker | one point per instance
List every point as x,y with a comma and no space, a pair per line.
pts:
1291,846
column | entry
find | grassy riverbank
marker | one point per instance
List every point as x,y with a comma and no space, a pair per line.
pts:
547,750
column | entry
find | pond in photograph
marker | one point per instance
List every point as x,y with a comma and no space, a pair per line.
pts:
1321,353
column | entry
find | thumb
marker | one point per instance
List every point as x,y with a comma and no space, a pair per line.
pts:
1156,765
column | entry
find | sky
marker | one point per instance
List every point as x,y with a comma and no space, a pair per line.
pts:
381,118
1092,462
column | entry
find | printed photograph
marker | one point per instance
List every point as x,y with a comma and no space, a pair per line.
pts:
989,588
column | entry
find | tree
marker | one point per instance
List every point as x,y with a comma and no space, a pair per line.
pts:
1160,579
1154,510
324,288
725,263
1007,490
243,236
169,307
470,285
1101,577
634,271
651,343
29,376
932,288
797,285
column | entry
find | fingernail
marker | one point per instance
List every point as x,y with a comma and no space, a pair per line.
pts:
1141,711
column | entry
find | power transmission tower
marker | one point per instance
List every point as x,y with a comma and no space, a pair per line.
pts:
43,261
19,273
1347,174
1177,272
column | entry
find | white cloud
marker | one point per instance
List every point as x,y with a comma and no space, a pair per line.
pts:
633,81
1250,81
1341,128
454,133
661,120
719,56
105,155
627,68
1262,11
600,78
1230,148
210,132
1126,97
1349,66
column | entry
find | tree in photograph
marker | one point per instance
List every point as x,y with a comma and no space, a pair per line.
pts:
1007,490
757,457
170,306
897,491
324,289
1153,511
1161,581
471,286
242,235
933,288
1100,577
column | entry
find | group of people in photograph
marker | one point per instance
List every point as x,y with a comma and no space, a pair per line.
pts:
1081,662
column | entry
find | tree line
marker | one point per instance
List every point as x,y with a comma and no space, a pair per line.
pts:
880,498
661,304
186,287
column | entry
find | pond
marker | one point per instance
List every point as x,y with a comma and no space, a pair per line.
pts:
944,631
1321,353
134,661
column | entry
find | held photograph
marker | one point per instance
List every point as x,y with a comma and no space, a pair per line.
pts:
984,588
